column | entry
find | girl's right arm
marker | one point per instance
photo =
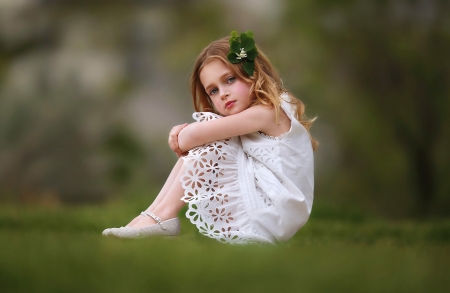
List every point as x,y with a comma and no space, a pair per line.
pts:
173,138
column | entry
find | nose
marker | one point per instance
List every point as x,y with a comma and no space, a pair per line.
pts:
224,94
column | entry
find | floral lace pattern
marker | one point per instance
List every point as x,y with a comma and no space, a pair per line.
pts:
235,190
206,190
264,154
279,137
207,187
205,116
268,155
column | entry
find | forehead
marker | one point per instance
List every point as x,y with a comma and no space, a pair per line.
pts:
213,70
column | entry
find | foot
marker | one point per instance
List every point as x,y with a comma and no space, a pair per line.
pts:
141,216
169,227
108,231
144,222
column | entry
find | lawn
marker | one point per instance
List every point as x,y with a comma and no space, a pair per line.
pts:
62,250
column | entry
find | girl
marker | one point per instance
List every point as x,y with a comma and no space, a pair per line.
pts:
245,168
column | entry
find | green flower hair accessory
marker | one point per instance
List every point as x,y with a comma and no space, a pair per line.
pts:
243,49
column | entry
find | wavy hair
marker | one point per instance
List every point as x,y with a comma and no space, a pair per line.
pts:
266,84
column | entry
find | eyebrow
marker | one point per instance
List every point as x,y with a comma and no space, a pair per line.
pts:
220,77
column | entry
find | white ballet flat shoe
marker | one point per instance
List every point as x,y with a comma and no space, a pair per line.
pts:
169,227
107,231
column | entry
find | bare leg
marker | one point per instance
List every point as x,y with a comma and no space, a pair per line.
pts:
169,205
173,178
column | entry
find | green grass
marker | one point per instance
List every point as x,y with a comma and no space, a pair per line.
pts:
62,250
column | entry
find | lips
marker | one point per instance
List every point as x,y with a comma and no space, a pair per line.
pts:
229,104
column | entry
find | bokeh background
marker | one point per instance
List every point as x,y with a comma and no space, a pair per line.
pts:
90,89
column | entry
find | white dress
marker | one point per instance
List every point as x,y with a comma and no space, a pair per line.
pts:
251,188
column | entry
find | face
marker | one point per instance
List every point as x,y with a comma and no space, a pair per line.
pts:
229,94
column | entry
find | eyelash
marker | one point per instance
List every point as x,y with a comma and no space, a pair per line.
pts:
230,80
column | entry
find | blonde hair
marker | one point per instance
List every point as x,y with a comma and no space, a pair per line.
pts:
266,85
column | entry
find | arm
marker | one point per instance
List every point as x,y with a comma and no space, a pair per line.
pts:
256,118
173,138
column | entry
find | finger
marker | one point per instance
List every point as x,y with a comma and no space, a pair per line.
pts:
174,147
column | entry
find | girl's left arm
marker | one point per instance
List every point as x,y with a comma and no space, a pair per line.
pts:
256,118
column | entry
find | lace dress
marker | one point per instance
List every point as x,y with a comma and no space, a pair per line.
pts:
251,188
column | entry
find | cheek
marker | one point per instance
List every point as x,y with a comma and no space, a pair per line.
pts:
214,102
242,88
215,105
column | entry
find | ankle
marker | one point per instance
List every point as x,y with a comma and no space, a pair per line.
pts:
164,215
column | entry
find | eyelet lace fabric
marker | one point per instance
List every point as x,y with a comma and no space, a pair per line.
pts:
280,137
246,189
211,189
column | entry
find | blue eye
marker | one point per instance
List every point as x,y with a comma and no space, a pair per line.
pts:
231,79
212,92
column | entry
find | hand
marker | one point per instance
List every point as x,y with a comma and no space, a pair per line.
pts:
173,138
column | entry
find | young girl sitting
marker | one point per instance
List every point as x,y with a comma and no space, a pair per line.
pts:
245,168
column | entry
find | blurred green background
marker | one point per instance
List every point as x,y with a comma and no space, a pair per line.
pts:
90,89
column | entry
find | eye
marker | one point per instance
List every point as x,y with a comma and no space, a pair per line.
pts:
231,79
213,91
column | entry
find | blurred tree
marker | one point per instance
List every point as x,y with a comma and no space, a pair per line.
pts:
62,137
126,151
386,84
87,88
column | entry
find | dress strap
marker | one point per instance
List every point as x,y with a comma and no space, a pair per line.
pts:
288,107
